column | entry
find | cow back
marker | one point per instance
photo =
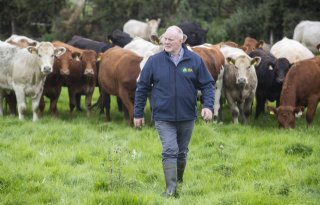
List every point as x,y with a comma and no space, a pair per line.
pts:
118,67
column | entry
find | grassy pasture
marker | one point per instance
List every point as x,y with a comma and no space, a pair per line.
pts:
79,160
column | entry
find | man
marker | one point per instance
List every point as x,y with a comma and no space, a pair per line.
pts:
173,76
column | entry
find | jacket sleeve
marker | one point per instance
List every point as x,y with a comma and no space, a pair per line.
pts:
144,86
206,85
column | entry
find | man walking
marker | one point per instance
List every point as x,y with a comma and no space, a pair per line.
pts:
173,77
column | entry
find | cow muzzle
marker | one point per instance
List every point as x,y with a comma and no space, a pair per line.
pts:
46,70
89,72
242,81
64,72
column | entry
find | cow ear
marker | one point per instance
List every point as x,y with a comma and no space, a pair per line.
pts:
255,61
230,61
244,48
147,19
298,111
272,110
98,57
260,44
154,39
59,51
159,20
76,56
32,50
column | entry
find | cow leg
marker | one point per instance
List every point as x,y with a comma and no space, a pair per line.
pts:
88,103
35,107
233,107
217,95
261,101
247,108
53,105
125,97
312,107
42,104
72,99
106,103
21,100
78,102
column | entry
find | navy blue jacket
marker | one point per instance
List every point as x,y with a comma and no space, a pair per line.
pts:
174,88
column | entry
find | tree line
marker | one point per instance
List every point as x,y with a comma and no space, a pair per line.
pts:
224,19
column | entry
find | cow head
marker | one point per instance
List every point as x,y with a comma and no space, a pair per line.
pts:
286,115
282,66
242,65
89,59
153,26
46,53
196,35
119,38
63,62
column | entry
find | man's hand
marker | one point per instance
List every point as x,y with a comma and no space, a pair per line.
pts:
206,114
138,122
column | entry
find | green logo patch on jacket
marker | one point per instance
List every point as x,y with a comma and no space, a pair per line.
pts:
187,70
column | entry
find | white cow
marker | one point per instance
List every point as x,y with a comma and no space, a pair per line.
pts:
291,50
21,41
239,81
24,71
141,29
308,33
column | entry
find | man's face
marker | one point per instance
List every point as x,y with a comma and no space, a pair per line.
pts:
172,42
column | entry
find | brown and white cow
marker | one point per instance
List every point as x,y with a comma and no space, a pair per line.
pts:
83,75
24,71
214,60
142,29
301,89
239,81
118,72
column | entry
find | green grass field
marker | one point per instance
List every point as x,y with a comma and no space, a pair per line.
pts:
79,160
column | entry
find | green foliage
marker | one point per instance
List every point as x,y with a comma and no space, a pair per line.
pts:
95,19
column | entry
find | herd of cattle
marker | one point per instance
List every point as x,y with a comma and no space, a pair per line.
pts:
287,73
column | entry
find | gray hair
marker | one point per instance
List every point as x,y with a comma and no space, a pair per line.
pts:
177,30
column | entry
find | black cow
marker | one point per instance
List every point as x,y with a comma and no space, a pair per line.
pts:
196,34
99,47
270,73
119,38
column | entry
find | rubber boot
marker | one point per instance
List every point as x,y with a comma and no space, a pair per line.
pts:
180,170
170,173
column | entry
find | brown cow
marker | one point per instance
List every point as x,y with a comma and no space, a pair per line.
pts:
54,81
118,73
301,89
83,75
250,44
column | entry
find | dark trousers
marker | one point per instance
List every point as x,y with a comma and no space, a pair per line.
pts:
175,138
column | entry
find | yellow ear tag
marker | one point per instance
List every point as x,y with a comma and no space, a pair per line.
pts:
271,113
